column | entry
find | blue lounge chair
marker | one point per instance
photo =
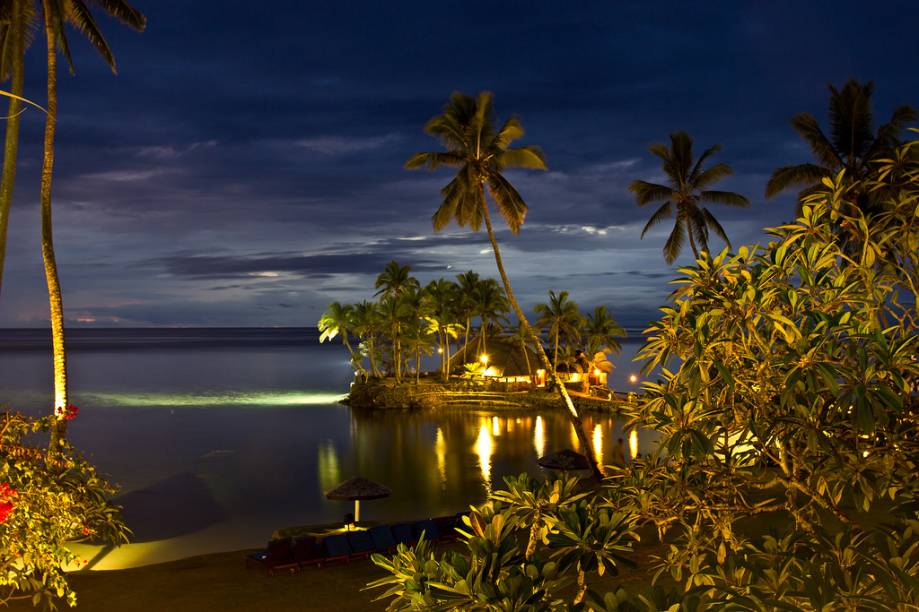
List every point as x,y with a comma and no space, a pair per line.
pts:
403,533
335,547
307,551
361,543
382,538
428,528
279,555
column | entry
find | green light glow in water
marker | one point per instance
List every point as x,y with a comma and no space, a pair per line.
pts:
173,400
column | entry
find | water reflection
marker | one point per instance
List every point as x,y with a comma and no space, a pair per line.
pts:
484,446
327,464
440,450
539,437
633,444
598,443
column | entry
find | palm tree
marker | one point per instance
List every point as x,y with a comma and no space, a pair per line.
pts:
441,297
481,152
395,280
468,281
394,315
337,320
686,190
603,332
365,321
521,336
490,306
852,144
55,14
562,318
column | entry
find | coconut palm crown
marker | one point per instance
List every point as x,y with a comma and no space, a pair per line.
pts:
686,190
852,144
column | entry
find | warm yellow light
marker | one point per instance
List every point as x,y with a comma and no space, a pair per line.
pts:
598,443
633,443
490,371
633,379
495,427
440,450
483,449
596,371
483,358
440,350
539,437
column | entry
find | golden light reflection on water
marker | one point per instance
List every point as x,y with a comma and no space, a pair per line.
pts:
327,462
598,443
539,437
484,447
633,443
440,449
573,437
495,426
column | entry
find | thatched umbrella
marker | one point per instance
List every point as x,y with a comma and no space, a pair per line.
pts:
357,489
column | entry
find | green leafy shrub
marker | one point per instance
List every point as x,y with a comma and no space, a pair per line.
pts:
47,499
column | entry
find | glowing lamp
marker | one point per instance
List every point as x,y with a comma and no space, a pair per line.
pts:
483,358
440,350
596,371
633,379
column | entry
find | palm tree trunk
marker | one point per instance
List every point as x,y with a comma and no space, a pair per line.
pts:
526,357
692,241
573,415
417,365
59,431
555,351
466,337
447,355
371,355
11,146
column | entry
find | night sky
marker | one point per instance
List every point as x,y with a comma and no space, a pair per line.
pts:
245,166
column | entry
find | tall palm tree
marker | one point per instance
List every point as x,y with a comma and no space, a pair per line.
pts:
603,332
466,306
852,143
55,13
365,321
395,280
490,306
394,315
481,151
562,318
520,335
337,320
14,17
686,190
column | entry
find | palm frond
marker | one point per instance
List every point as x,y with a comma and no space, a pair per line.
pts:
711,176
646,192
433,160
674,243
850,118
123,12
713,224
530,157
453,194
665,210
508,201
681,156
821,147
55,23
802,175
728,198
888,136
697,169
511,130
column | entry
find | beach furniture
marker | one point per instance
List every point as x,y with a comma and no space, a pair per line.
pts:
307,551
403,533
278,556
361,543
427,527
382,538
446,526
335,548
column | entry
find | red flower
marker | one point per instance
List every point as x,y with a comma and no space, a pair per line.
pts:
69,413
5,509
6,491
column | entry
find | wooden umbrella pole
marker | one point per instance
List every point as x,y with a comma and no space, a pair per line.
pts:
357,511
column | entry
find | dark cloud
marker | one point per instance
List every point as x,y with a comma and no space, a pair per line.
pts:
243,142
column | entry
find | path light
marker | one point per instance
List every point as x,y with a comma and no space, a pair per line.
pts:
483,358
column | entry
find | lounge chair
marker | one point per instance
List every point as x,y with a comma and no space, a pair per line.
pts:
361,543
307,551
427,527
382,538
279,555
446,526
335,548
404,533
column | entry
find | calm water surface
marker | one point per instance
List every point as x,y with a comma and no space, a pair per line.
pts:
219,437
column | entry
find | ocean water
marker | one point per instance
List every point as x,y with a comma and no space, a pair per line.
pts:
218,437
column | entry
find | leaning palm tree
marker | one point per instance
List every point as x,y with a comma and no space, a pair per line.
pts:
686,190
603,332
562,318
337,320
55,13
480,151
852,144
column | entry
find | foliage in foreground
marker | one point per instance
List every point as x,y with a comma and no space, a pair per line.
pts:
788,421
47,499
